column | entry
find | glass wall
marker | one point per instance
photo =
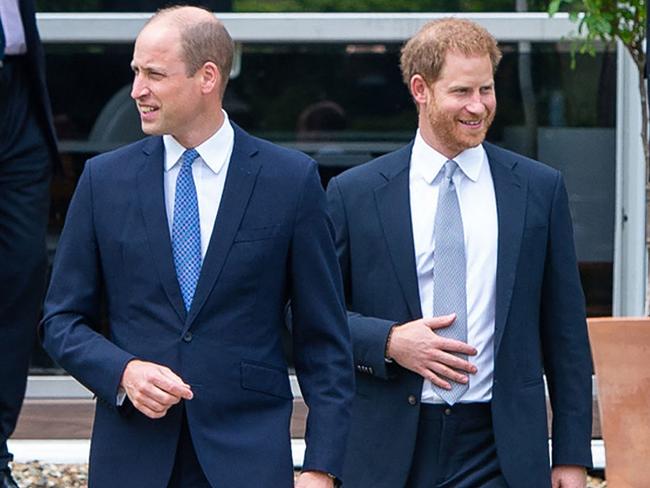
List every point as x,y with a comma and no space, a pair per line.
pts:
345,104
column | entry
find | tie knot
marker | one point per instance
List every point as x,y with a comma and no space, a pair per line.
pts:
189,156
450,168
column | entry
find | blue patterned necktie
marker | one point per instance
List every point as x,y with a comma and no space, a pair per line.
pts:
449,272
186,230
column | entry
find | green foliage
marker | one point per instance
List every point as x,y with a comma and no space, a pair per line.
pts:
607,20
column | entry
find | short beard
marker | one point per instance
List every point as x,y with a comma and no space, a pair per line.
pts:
444,127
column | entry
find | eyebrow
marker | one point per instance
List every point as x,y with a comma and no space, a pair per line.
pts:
456,86
149,69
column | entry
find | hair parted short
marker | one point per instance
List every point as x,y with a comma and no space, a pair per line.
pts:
424,54
201,41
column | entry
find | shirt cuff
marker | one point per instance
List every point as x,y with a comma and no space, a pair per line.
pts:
121,396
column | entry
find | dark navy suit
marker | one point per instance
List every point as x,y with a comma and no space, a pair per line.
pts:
27,154
272,241
540,320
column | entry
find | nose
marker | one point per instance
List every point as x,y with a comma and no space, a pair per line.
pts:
139,88
476,105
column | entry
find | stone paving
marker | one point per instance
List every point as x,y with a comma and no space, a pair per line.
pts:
43,475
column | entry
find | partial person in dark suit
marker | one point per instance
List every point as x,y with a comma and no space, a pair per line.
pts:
462,287
197,237
27,155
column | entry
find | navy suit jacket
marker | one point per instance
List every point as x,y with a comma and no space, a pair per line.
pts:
540,320
272,242
36,66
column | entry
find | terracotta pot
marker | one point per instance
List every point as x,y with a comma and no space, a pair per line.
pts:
621,352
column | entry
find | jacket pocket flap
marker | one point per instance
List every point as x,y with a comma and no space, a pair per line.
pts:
265,379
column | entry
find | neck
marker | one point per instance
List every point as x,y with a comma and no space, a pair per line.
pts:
205,127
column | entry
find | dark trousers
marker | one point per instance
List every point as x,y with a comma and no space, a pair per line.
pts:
187,472
24,201
455,448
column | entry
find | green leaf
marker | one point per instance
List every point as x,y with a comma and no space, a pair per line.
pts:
554,7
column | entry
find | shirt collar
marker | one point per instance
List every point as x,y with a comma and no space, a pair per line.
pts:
213,151
427,162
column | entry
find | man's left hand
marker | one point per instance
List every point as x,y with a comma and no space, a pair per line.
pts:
569,477
314,479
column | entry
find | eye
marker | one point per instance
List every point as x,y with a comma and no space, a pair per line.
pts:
487,89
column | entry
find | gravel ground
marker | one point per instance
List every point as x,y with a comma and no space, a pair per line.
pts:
41,475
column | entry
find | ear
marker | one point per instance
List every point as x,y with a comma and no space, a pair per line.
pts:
210,78
419,89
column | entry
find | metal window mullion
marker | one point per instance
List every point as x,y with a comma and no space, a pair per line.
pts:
300,27
630,260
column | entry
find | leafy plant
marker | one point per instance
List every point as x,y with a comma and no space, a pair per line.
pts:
609,21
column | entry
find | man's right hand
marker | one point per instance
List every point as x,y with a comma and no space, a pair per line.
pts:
153,388
417,347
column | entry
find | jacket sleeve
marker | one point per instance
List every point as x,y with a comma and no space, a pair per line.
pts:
567,358
369,334
70,328
321,340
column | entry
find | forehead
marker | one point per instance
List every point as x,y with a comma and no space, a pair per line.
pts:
458,67
158,42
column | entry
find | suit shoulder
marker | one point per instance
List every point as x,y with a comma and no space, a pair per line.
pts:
537,174
121,156
376,170
533,168
281,155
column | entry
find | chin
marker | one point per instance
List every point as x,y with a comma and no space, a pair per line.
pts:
151,131
469,142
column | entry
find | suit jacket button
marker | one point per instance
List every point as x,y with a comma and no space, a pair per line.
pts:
187,337
412,400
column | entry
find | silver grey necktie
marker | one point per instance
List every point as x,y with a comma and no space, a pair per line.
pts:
449,272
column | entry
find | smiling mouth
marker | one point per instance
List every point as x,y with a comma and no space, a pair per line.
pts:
472,124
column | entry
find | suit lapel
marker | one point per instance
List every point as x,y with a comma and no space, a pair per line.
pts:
240,181
393,206
151,195
510,190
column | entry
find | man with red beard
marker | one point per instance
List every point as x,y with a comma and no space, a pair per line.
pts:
462,290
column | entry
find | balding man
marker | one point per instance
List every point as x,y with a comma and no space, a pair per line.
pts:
197,237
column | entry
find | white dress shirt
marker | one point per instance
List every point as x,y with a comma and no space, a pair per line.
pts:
477,201
12,26
209,171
